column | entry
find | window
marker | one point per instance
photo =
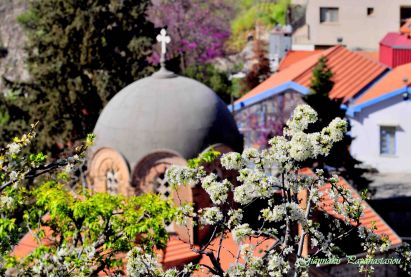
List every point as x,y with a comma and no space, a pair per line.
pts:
387,140
328,15
405,13
370,11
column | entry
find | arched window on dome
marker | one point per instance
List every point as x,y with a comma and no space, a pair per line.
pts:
108,171
149,173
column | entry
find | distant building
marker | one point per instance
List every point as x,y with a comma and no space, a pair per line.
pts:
381,124
378,100
279,44
395,47
353,23
262,112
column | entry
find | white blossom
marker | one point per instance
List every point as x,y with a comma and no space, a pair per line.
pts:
13,175
247,250
277,265
210,216
279,151
241,232
251,155
288,250
218,191
235,217
184,212
338,127
69,168
140,263
255,185
301,264
6,202
178,175
232,160
302,116
13,148
90,252
301,147
276,214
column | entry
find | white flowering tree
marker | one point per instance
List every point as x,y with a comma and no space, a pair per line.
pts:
272,177
77,233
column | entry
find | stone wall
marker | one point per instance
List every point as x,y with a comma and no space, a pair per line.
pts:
12,42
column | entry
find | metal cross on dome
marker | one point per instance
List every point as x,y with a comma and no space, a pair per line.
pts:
163,39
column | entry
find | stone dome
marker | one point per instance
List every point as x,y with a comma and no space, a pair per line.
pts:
165,112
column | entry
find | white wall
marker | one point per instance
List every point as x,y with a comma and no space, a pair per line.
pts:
356,28
366,131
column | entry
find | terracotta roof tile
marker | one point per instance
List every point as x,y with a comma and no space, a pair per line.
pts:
28,244
295,56
352,73
229,251
372,55
176,253
369,216
392,81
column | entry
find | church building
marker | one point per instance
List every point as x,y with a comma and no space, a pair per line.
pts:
153,123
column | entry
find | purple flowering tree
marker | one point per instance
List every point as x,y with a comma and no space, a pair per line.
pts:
198,29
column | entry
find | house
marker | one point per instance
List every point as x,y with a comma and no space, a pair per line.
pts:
262,112
355,24
381,125
379,116
376,96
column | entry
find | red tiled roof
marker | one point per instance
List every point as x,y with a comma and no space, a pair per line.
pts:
295,56
396,40
229,250
372,55
369,215
29,243
398,78
352,72
176,253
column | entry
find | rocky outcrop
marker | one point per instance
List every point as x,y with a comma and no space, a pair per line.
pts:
12,40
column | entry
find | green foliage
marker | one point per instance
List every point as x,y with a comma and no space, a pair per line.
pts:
340,158
267,15
4,117
209,75
101,220
204,158
80,53
78,233
321,81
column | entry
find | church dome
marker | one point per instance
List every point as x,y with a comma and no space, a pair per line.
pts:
165,112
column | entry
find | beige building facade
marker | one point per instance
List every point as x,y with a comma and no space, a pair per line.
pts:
357,24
